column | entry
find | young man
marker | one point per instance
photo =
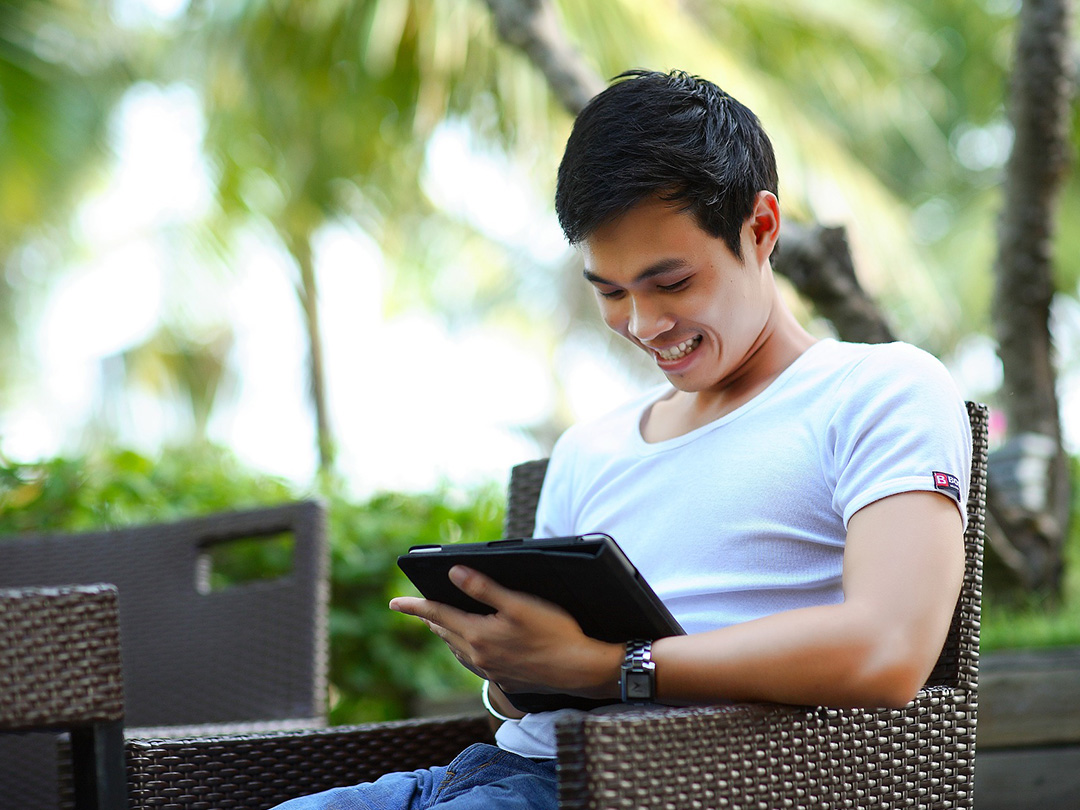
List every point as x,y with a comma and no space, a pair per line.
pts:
797,504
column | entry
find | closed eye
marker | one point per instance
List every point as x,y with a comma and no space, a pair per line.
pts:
681,284
609,294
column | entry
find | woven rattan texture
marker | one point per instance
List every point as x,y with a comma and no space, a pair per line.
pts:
766,756
59,657
524,493
750,756
959,661
254,652
261,771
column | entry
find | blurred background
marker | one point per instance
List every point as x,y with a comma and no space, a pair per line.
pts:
253,250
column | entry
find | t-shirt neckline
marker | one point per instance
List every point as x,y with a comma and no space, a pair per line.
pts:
666,390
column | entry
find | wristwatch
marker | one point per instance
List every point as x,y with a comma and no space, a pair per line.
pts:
638,676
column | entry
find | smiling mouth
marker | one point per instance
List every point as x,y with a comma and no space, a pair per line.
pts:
680,351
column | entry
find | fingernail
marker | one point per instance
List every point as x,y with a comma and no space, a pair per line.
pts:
458,575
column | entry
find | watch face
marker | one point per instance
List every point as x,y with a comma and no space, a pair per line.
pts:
637,686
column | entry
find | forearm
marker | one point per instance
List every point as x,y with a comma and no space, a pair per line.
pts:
830,655
836,655
833,655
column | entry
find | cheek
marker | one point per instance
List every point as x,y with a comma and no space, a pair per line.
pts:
729,318
613,315
739,306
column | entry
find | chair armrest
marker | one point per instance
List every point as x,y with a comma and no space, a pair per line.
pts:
59,657
737,756
767,755
262,770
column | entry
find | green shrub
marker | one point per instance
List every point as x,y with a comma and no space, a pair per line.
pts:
122,488
1013,618
381,663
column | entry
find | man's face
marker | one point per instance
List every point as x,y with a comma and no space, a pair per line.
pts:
681,295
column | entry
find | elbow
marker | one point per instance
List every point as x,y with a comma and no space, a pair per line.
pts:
894,691
889,680
890,662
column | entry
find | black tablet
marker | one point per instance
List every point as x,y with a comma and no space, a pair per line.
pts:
589,576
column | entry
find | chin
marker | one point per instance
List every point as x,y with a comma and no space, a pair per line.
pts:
684,385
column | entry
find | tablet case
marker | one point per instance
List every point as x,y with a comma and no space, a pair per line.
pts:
588,575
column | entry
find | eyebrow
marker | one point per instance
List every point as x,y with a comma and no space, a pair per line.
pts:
656,269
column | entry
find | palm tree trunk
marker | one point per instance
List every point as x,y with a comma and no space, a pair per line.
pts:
1039,100
299,246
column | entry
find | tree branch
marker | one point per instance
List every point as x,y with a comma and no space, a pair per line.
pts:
532,27
817,261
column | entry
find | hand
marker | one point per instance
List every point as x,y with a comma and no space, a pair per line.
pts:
527,645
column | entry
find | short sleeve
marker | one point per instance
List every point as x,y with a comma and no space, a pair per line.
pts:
900,425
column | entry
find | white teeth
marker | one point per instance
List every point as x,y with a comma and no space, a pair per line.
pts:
680,351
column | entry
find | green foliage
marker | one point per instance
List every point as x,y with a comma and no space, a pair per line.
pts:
54,103
63,66
1032,622
381,663
122,488
1015,619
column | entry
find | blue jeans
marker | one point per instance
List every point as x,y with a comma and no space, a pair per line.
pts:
482,777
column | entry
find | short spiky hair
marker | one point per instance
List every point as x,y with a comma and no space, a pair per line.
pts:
670,135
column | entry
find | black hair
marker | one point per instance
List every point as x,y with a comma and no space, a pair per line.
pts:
669,135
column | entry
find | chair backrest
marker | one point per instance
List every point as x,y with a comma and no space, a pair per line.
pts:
191,654
59,657
60,670
958,664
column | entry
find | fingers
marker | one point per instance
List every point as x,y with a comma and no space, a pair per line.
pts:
470,582
527,644
444,621
461,630
431,612
480,587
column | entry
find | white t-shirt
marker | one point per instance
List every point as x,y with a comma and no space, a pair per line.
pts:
746,516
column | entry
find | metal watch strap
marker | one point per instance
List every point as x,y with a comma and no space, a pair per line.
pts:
638,675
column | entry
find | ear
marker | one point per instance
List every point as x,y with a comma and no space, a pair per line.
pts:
764,225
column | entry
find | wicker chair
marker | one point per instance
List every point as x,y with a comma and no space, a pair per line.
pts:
198,658
742,756
60,670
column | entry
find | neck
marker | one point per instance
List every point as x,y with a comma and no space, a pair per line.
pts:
780,343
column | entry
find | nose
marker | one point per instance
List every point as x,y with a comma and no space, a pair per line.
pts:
647,321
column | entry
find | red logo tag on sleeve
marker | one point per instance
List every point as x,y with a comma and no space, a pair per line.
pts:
945,482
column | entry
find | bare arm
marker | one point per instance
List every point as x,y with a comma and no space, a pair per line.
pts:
903,566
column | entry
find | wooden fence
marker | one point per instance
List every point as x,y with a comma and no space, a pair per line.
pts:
1028,752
